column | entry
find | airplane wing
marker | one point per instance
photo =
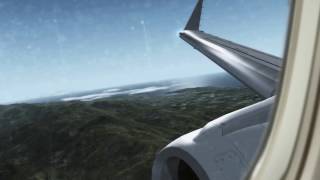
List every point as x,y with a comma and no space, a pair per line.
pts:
257,70
225,147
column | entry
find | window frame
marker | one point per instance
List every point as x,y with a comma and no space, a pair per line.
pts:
286,150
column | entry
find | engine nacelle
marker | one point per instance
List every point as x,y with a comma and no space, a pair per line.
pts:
223,149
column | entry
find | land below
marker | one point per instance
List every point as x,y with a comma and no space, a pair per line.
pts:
114,138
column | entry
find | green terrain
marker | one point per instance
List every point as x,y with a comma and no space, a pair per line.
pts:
109,139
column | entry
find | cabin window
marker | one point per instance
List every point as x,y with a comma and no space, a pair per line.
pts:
94,89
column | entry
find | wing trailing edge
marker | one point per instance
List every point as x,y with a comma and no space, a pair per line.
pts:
258,70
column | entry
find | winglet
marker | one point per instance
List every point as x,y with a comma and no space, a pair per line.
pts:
194,21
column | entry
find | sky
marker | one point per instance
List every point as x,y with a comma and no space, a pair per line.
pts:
53,47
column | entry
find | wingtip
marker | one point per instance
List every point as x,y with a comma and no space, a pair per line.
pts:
194,21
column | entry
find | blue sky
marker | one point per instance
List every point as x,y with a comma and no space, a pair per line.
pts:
61,46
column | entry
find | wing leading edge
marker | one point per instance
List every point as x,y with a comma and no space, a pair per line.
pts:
257,70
